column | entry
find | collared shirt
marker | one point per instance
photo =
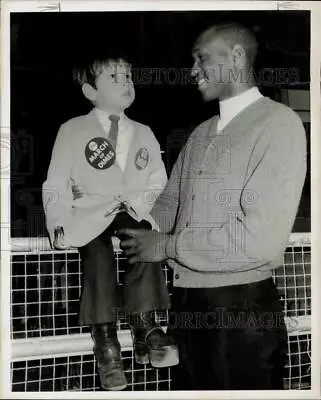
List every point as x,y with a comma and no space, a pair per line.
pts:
229,108
125,134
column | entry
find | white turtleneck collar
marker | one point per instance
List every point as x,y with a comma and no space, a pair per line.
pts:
229,108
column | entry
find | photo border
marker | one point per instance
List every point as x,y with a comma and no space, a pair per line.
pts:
11,6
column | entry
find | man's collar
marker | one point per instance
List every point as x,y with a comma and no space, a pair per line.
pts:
235,104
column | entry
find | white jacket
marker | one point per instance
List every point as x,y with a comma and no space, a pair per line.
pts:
82,157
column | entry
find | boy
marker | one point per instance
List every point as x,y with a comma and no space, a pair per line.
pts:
105,173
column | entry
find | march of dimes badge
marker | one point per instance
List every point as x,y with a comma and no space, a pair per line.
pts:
142,158
99,153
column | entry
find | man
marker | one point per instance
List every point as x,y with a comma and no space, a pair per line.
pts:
225,217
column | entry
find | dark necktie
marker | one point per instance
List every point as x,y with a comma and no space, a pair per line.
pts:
113,130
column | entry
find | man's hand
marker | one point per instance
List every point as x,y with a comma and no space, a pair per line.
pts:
143,245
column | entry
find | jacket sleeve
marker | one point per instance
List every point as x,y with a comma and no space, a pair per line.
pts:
56,190
261,231
166,206
142,202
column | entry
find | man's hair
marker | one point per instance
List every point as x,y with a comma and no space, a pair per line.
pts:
90,66
233,33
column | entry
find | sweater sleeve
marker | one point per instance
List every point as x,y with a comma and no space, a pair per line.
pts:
56,190
262,229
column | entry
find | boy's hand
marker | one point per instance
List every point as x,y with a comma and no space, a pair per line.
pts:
143,245
59,239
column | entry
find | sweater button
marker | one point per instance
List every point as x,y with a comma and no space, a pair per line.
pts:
200,173
187,224
176,276
193,197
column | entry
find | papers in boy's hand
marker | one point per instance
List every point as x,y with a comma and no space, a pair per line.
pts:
94,202
131,212
123,206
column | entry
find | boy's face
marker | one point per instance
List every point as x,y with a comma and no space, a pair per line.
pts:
114,88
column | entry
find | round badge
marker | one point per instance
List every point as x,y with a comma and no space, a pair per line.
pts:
142,158
99,153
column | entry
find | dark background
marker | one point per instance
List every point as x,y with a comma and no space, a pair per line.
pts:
44,47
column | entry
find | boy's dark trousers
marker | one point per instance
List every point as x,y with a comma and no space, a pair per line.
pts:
144,291
144,283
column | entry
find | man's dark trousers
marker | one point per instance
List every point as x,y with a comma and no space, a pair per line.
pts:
229,338
144,283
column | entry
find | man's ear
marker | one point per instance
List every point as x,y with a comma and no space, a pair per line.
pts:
239,56
89,92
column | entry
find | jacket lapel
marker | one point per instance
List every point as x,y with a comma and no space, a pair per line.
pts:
95,127
130,168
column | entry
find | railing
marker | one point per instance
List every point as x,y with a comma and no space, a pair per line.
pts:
50,351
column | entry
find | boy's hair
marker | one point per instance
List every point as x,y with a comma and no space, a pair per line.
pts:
90,67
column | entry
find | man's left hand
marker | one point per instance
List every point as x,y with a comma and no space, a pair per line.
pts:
143,245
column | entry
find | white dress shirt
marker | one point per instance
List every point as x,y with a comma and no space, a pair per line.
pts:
125,134
229,108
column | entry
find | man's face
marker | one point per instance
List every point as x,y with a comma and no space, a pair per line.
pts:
213,63
114,88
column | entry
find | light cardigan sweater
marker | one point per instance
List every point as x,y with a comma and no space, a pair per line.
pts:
232,198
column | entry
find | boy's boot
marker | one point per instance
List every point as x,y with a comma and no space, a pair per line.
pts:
107,352
151,343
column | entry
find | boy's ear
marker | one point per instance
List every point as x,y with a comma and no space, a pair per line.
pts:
89,92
